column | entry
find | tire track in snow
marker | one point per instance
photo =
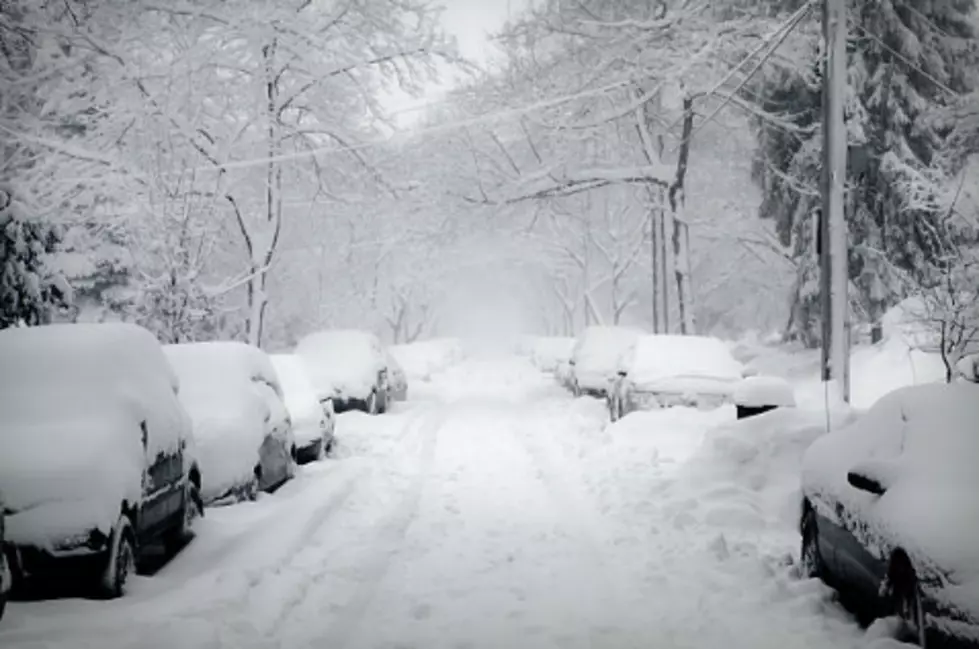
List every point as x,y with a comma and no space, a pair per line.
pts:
386,539
590,527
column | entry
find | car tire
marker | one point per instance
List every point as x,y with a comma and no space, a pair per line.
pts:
3,604
811,565
908,604
178,537
121,561
254,485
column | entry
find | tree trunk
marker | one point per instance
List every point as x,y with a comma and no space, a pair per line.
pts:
664,283
654,274
677,199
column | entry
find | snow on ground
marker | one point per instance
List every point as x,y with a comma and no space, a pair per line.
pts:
495,512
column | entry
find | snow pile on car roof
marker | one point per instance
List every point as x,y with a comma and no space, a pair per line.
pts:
676,362
229,413
342,362
758,391
72,402
301,399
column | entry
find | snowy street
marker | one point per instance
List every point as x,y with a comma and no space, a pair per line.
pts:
491,511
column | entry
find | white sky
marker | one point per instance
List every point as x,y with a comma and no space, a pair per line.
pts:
470,21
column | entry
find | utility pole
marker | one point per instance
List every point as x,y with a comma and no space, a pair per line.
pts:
834,276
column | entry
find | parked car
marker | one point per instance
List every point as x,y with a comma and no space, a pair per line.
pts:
665,370
244,434
350,365
313,421
598,355
548,353
6,578
397,381
95,453
890,509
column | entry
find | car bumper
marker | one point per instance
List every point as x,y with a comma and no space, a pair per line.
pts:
61,568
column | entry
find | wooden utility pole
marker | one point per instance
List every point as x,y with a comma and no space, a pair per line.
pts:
833,251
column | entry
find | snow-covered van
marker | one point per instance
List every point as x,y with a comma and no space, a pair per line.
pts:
347,366
94,460
245,442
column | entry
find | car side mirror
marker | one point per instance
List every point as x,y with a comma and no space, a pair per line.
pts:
874,477
622,373
866,483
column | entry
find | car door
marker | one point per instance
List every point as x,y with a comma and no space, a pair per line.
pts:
163,488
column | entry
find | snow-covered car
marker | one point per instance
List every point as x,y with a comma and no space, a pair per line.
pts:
348,364
242,428
6,578
599,354
548,353
313,422
890,509
666,370
397,380
756,395
95,452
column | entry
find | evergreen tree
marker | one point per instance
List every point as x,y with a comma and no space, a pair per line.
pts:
29,292
906,61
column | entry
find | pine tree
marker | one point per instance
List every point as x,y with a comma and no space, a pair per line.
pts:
29,292
906,60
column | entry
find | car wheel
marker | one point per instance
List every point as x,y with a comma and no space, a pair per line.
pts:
180,534
907,599
811,564
122,560
254,485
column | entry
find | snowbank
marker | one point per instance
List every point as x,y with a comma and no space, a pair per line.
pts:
231,417
759,391
921,443
308,418
745,476
73,399
420,360
600,352
344,363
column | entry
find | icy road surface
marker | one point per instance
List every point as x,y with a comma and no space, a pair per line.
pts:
493,511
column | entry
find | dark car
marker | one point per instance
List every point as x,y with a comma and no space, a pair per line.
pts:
93,463
890,511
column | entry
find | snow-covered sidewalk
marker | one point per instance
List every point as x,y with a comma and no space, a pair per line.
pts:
503,515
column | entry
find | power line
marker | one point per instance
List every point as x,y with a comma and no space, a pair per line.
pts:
903,58
791,25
